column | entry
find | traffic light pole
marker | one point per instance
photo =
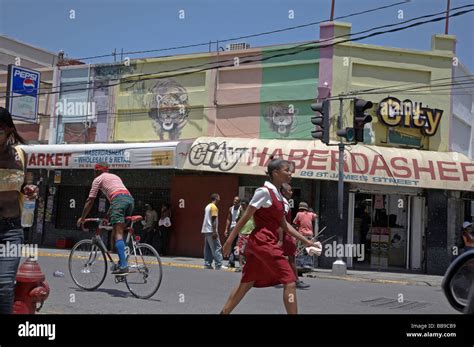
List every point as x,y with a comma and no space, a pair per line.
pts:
340,187
339,267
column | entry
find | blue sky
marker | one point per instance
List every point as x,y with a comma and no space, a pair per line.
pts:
102,25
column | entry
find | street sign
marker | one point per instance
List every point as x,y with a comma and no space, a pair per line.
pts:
22,89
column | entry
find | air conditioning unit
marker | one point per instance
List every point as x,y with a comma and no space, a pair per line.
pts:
237,46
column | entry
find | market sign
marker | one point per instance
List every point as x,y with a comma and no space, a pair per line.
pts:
312,159
22,93
118,156
393,112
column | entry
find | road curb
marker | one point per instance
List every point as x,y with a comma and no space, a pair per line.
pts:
164,263
371,280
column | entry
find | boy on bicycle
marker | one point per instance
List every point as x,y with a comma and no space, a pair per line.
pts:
121,206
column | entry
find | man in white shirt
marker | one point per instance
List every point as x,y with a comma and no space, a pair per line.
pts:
212,244
231,222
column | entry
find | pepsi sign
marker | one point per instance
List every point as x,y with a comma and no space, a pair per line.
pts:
23,88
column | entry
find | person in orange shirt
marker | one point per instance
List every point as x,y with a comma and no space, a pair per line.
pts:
304,220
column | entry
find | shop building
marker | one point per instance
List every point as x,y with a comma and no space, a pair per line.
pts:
406,184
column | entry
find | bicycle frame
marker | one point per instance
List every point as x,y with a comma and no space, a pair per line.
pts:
97,240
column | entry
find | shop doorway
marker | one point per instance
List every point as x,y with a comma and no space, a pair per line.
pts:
381,224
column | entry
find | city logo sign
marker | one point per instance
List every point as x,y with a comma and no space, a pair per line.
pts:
216,155
393,112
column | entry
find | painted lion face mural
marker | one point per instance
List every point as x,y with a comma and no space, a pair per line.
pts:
281,118
167,102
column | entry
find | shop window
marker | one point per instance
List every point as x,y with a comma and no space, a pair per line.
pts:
381,225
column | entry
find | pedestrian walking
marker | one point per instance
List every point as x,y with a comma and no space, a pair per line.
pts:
164,227
12,187
304,220
243,234
230,224
266,264
289,242
149,225
212,243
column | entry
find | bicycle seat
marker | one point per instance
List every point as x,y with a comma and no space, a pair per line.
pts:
134,218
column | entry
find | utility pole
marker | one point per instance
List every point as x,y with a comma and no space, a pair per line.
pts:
446,28
332,10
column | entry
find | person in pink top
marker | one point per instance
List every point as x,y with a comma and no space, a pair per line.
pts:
304,220
121,206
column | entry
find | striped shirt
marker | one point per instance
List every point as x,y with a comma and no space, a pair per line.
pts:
109,184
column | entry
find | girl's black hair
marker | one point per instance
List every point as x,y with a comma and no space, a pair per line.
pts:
6,119
275,164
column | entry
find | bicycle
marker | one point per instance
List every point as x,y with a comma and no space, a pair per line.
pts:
88,261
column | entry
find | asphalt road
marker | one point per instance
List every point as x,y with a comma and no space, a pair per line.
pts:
196,291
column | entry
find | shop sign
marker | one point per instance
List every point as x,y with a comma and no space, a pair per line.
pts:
312,159
393,112
86,156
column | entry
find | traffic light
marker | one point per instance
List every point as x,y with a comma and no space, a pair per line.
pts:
321,120
348,133
361,118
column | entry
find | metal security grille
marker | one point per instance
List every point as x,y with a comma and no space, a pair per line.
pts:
143,196
71,200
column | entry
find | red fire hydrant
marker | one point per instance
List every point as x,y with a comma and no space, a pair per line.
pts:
31,288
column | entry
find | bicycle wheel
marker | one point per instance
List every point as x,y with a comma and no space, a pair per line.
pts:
145,271
87,265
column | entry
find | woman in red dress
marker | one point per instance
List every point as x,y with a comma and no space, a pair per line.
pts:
266,264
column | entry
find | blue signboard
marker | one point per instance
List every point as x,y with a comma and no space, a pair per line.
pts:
23,88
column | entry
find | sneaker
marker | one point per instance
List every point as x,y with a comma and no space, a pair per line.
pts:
222,267
208,267
302,285
231,265
121,271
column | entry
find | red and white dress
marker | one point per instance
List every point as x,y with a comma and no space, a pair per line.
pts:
289,242
266,264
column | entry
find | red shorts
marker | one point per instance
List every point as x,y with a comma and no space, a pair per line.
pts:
289,246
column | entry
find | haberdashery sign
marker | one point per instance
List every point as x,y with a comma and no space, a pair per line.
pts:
314,160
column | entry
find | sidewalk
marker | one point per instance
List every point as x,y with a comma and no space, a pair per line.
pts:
380,277
352,275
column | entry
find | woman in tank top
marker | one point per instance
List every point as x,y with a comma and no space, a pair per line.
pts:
12,187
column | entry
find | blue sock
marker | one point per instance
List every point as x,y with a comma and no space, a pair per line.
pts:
120,246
